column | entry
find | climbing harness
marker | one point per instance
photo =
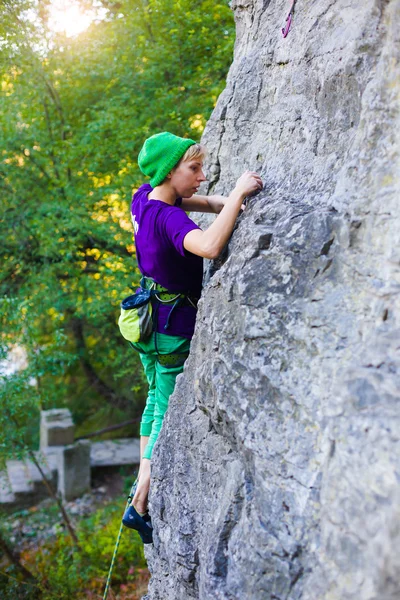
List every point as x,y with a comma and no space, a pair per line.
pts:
286,29
142,307
114,556
167,296
139,311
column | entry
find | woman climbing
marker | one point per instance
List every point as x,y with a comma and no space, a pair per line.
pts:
170,249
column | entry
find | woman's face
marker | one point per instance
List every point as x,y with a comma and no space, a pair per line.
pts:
187,177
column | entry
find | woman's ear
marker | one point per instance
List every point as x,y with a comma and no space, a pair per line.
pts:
172,171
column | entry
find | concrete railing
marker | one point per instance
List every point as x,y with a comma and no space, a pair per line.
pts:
57,430
66,463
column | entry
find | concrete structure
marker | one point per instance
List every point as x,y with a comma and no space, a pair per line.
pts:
56,428
74,470
66,466
109,453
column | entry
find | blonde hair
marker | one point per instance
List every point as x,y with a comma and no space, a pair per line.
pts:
194,151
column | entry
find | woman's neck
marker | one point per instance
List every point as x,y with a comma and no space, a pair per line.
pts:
164,193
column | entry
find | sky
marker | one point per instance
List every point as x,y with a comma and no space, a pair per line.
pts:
66,16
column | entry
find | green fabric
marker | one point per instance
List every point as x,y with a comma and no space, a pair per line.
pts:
160,153
161,380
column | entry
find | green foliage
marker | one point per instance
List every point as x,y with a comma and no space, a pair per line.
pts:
75,112
19,418
65,574
23,393
68,573
11,587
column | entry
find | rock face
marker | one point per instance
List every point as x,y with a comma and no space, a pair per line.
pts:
277,471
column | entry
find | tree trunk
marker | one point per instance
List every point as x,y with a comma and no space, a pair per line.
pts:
55,496
13,557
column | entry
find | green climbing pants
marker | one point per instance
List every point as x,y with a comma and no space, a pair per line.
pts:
161,380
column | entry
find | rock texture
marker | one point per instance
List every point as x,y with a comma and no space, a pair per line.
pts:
276,475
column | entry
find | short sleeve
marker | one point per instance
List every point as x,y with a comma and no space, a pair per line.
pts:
177,226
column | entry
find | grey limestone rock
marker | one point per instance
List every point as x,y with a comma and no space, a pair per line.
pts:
276,475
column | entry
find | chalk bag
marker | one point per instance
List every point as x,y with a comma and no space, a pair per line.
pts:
135,322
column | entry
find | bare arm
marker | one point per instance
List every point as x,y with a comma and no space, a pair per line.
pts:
204,204
211,242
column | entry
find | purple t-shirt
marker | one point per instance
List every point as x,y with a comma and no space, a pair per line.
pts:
159,233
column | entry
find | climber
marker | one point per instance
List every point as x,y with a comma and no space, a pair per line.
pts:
170,249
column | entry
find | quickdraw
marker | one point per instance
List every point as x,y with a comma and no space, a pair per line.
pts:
286,29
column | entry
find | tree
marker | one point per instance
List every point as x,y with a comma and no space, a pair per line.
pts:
21,400
75,112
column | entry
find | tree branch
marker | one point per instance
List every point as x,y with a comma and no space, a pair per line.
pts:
13,557
55,497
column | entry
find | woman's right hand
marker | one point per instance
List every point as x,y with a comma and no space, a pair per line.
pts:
248,183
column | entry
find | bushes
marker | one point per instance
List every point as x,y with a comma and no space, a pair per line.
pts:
63,573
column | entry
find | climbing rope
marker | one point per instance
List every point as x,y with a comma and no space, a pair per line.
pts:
286,29
129,500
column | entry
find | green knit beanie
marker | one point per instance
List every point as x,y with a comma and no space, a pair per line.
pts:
160,153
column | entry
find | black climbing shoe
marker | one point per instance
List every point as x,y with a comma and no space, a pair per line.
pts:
143,526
